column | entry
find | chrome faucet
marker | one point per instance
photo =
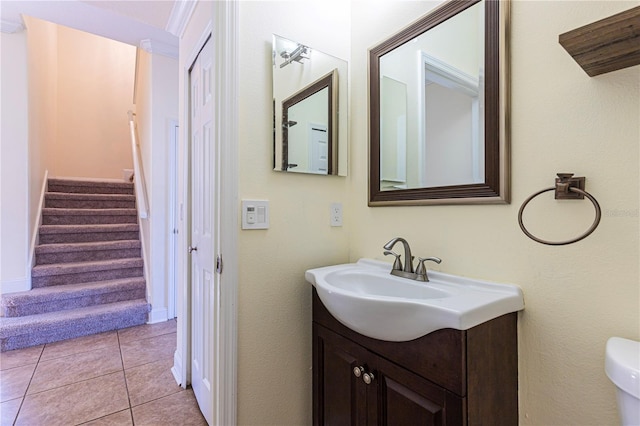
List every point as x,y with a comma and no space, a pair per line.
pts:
420,273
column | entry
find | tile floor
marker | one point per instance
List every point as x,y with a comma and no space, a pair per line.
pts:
116,378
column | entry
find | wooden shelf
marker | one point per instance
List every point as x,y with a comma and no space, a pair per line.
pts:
607,45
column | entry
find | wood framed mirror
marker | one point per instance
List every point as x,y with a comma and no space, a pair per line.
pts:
311,114
439,110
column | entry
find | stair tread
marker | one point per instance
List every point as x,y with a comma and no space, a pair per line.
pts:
82,196
88,212
90,246
74,229
59,292
9,325
80,182
91,266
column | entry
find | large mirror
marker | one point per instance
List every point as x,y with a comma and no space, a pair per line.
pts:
438,93
309,110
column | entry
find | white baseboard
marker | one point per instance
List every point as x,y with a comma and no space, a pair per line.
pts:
158,315
177,368
12,286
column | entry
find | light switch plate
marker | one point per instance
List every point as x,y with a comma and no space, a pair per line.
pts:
255,214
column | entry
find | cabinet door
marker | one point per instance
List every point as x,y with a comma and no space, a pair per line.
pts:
339,397
404,398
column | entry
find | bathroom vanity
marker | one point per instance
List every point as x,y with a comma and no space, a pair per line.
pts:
447,377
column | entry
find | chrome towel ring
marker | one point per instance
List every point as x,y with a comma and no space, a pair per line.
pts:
567,187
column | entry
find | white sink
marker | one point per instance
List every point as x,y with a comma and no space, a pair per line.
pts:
365,297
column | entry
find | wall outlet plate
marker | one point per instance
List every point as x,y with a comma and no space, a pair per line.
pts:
336,214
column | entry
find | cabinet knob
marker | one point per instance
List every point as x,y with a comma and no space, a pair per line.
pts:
368,378
357,371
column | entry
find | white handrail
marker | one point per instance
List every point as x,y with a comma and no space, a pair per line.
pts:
138,175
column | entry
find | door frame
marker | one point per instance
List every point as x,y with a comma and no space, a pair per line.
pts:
173,129
223,29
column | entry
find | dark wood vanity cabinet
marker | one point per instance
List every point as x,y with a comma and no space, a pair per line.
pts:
448,377
394,395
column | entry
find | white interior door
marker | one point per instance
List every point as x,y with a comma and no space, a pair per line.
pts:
205,289
318,149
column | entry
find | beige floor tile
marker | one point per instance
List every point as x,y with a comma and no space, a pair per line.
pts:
14,382
80,344
75,368
76,403
147,330
8,411
178,409
151,381
144,351
121,418
20,357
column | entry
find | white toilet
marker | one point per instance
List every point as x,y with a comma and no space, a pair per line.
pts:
622,365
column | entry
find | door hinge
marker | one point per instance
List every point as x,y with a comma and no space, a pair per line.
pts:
219,264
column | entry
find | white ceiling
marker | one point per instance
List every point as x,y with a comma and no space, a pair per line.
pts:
153,12
128,21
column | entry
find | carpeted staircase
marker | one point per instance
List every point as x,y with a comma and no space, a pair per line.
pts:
88,276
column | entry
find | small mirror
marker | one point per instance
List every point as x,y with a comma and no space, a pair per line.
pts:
309,104
438,109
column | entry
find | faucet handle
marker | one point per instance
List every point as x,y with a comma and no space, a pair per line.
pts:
421,270
397,264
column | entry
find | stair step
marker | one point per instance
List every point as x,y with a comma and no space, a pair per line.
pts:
71,296
86,252
78,267
21,332
89,201
60,216
86,186
89,276
79,272
52,234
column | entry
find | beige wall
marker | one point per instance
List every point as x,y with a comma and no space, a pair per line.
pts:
95,91
42,39
14,154
576,296
274,303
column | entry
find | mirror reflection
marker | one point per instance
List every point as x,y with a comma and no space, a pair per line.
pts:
438,108
393,134
308,121
437,141
310,92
